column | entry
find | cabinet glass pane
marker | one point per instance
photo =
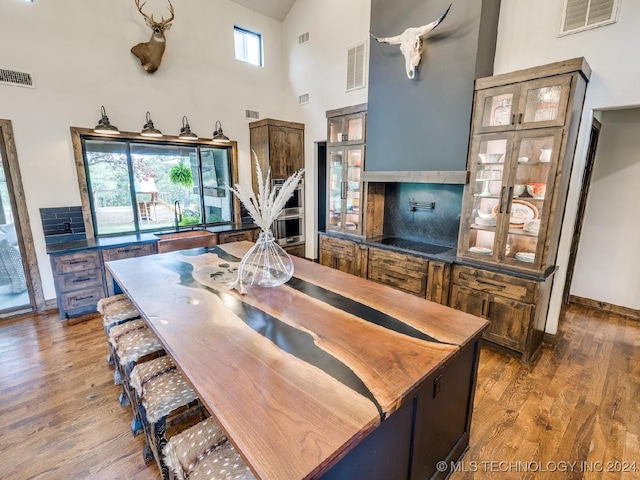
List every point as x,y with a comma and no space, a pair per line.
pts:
336,133
497,110
352,212
355,128
335,185
542,103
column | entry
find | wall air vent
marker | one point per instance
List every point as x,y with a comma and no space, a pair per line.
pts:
252,114
356,57
304,98
13,77
304,38
579,15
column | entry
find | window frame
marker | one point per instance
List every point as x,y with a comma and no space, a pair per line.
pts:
612,19
245,32
78,135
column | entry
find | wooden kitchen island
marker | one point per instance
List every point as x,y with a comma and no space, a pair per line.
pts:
329,376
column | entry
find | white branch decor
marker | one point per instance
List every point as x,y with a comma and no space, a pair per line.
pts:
266,264
266,207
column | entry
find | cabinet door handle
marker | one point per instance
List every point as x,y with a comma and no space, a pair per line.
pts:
483,282
484,304
84,298
501,198
513,119
83,279
520,119
489,309
395,277
75,262
343,190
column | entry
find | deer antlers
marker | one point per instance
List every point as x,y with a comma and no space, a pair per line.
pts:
150,53
150,20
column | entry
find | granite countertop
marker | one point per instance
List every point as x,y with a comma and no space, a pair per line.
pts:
133,239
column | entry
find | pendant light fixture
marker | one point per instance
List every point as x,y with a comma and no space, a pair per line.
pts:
185,131
218,136
104,126
149,130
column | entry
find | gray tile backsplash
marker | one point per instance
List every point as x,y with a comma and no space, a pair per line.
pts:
62,224
439,226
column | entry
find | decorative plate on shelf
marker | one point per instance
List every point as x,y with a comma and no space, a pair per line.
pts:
521,211
528,257
484,251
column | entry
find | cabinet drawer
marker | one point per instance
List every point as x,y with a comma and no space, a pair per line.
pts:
235,236
496,283
338,246
407,283
130,251
401,263
76,262
80,280
81,298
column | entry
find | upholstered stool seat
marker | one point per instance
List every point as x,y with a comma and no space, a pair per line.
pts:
115,310
203,452
132,342
161,392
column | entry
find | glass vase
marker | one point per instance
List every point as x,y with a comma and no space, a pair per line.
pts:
266,264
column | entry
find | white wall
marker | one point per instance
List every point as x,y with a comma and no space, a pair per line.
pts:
528,36
610,234
78,52
319,68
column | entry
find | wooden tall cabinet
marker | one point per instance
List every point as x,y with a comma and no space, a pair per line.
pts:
279,145
524,132
346,129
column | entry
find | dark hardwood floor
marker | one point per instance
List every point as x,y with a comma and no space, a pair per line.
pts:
59,415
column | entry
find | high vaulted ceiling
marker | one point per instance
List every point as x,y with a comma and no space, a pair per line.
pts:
277,9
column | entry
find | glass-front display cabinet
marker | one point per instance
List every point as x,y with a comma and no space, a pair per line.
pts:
533,104
509,196
344,189
522,144
345,160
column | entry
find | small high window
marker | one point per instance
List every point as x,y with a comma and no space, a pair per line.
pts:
248,46
579,15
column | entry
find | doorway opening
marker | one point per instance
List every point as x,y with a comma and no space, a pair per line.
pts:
20,286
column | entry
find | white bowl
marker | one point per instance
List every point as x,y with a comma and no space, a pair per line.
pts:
491,157
518,189
485,215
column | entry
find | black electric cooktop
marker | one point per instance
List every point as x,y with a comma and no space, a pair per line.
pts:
427,248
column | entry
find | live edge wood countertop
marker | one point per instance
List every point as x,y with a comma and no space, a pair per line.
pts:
296,375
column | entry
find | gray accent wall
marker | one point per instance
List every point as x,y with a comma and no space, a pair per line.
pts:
424,124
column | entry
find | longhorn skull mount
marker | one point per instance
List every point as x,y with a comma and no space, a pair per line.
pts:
410,42
150,53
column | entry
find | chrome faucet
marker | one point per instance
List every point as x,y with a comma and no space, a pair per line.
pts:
177,212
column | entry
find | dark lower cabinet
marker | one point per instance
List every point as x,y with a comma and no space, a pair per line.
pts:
431,426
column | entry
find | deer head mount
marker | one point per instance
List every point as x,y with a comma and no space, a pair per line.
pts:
150,53
410,42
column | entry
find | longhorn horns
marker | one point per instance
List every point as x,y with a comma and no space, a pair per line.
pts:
419,31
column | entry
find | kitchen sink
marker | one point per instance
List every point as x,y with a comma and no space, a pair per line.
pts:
169,242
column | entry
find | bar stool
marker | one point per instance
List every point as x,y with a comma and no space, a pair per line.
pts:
115,310
163,398
132,342
203,452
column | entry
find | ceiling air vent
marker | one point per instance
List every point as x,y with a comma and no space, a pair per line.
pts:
579,15
304,38
356,66
304,98
252,114
13,77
